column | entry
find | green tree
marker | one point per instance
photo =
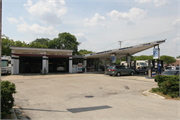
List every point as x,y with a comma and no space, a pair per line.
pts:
65,41
43,41
6,43
178,56
143,57
168,59
83,52
37,45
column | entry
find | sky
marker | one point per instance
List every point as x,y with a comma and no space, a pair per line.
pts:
97,24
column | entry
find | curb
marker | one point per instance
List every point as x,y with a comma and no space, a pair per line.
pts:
149,94
18,114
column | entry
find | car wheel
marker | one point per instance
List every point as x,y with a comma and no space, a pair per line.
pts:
145,73
118,74
132,73
110,75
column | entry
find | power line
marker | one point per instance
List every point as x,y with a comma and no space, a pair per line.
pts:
142,37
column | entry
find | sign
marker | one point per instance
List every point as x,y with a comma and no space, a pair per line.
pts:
113,58
155,53
79,67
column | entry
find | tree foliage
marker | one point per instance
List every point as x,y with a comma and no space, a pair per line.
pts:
168,59
83,52
64,41
178,56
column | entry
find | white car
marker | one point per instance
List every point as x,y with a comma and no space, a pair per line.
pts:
60,67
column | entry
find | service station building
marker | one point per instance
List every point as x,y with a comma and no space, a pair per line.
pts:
36,60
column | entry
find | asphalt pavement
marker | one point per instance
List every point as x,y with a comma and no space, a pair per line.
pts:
90,97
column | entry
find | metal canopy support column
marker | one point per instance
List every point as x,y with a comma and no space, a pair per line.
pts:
70,64
44,67
85,64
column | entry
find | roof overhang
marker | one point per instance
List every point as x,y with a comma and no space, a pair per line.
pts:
40,49
122,52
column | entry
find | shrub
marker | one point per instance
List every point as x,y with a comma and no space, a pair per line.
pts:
155,89
7,100
169,85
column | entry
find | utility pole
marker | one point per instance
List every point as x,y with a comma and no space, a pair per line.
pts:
120,43
0,33
120,47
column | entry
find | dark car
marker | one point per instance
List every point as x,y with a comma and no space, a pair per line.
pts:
119,70
142,70
168,73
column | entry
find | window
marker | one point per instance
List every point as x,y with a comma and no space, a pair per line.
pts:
4,63
143,64
177,64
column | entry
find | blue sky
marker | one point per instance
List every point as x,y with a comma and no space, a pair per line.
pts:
97,24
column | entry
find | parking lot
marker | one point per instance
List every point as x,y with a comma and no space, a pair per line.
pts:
89,96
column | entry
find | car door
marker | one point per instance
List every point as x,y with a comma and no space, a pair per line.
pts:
122,70
127,70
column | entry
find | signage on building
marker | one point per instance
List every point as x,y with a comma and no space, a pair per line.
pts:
155,53
79,67
113,58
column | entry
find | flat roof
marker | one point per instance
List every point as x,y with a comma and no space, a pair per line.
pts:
40,49
122,52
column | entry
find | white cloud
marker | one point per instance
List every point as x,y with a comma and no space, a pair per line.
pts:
48,11
12,20
36,29
143,1
176,23
131,16
81,37
94,20
156,2
160,2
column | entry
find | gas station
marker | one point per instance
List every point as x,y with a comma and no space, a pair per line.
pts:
41,59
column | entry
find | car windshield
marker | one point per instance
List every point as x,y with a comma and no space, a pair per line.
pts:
143,64
4,63
169,72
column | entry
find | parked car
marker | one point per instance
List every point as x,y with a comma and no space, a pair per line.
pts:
119,70
142,70
60,67
168,73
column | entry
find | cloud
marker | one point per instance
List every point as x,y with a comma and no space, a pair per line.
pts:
48,11
94,20
12,20
160,2
36,29
157,3
131,16
143,1
176,23
80,37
